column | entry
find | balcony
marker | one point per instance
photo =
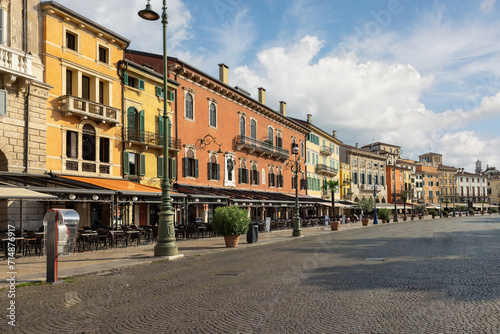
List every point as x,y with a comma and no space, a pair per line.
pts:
88,166
254,145
148,138
85,109
325,150
16,64
326,170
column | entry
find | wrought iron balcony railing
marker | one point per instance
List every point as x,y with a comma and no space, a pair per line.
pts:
261,146
149,138
325,150
326,170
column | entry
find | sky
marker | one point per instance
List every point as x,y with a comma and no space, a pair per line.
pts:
421,74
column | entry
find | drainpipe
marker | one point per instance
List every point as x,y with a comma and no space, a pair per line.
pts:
26,126
175,113
25,26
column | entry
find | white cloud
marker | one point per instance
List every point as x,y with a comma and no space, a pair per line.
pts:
488,6
366,100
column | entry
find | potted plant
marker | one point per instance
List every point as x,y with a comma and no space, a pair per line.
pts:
230,222
332,186
471,212
384,214
366,206
433,213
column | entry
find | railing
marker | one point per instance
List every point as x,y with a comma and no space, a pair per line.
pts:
88,109
16,62
149,138
88,167
325,150
327,170
261,146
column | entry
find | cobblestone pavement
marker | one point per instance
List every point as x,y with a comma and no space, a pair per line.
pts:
436,276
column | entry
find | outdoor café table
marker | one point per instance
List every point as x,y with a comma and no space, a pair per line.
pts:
89,237
203,230
18,242
117,236
136,234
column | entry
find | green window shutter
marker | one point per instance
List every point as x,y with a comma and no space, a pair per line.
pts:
258,177
195,167
239,175
186,166
142,164
209,170
160,167
126,163
173,168
141,84
159,91
218,172
141,126
161,127
246,176
125,78
171,96
131,117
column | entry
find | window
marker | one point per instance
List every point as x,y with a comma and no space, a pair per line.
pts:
172,170
253,129
88,143
85,87
133,82
376,179
189,106
355,177
71,41
72,144
242,126
135,125
302,149
104,149
369,178
103,54
134,164
213,115
243,173
213,169
270,135
279,179
272,177
2,26
69,82
362,177
279,140
254,175
190,165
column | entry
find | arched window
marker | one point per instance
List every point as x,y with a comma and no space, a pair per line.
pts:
189,106
369,178
301,149
376,179
355,177
213,115
88,143
279,141
382,181
270,135
253,129
362,177
242,126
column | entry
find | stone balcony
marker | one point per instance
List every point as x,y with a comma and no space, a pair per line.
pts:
15,65
85,109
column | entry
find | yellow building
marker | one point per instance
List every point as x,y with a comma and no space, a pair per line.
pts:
143,125
84,107
322,160
345,181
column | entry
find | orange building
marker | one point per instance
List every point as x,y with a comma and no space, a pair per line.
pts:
234,149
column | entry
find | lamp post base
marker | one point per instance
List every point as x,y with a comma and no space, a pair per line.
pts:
166,249
297,231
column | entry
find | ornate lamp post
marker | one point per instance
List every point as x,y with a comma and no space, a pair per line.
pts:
295,167
375,218
166,245
394,193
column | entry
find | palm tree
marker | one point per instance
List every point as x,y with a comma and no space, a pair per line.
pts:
332,186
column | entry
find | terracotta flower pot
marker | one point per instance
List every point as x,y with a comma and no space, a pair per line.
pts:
232,240
335,225
365,221
384,221
420,217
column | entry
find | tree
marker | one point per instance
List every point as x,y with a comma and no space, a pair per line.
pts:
366,205
332,186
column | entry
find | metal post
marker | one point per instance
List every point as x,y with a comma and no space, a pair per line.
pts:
375,219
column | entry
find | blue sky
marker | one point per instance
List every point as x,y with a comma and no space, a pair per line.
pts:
424,75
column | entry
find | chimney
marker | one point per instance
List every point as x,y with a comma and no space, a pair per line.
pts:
224,73
309,118
262,95
334,133
283,108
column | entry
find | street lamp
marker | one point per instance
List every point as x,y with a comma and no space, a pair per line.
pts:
394,193
375,218
165,245
295,167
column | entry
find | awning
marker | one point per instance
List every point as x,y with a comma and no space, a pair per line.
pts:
22,193
123,187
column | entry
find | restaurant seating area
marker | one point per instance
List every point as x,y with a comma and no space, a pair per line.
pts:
31,243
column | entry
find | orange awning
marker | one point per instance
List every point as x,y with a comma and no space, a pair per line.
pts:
116,184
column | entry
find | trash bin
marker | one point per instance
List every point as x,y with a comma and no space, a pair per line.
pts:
252,234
